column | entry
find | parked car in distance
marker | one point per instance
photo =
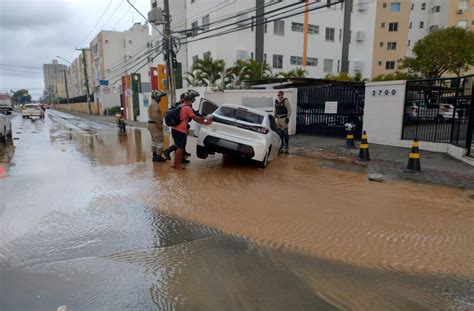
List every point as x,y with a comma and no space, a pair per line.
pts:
419,110
32,110
5,128
238,130
6,108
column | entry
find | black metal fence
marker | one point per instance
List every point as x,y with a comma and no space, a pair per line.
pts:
439,110
324,110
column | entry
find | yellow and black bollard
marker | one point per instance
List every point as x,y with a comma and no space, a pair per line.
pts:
414,164
350,140
364,148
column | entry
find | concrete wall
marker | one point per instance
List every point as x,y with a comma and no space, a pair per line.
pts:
79,107
383,118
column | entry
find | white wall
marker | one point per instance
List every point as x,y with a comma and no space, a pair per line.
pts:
237,97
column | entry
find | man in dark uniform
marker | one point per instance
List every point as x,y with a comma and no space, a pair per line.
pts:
282,115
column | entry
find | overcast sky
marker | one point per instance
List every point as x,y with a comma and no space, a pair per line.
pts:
33,32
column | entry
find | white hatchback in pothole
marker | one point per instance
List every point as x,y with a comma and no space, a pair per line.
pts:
238,130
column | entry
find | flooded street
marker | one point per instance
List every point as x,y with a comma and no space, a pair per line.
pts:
87,221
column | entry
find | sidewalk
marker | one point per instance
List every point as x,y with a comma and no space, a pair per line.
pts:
389,161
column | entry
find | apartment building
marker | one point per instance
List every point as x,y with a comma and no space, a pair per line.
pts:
76,79
117,53
370,37
55,76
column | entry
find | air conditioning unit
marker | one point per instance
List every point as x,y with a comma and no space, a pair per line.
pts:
155,16
359,66
459,11
360,36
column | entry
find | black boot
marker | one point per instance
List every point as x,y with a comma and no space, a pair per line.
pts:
158,158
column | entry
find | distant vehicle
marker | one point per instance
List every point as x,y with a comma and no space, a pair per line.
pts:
44,106
6,108
239,130
32,110
5,128
419,110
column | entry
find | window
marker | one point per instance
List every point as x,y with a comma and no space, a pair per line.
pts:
383,25
330,34
338,64
412,6
243,55
313,29
311,61
195,59
463,5
395,6
390,65
194,27
411,25
433,28
381,44
380,63
409,42
436,9
384,5
393,27
423,6
328,65
205,23
391,45
106,41
422,24
298,27
240,115
296,60
130,41
462,24
279,27
340,35
277,61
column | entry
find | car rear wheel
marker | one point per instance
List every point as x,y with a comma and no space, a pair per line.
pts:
202,152
264,163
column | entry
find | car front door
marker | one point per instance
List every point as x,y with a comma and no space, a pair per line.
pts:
206,107
276,138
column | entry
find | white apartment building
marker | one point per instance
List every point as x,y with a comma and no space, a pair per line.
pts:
55,76
117,53
370,37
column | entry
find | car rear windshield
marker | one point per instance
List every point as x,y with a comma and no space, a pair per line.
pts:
31,106
240,114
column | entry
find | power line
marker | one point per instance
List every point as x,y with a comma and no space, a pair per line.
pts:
97,23
19,70
112,15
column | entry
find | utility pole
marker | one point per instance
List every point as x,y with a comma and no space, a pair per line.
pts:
89,110
260,31
168,47
67,92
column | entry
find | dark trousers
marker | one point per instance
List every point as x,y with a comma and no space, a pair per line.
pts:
286,138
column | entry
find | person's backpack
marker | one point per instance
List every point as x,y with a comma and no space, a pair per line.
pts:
172,116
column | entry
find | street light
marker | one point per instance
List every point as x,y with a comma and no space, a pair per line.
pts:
65,81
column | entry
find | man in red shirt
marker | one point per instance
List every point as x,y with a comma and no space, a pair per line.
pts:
180,132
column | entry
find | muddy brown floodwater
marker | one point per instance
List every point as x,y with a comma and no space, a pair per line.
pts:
108,229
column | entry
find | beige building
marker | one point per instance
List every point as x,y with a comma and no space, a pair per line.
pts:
76,81
55,76
400,24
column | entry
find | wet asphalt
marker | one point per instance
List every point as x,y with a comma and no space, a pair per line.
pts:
87,221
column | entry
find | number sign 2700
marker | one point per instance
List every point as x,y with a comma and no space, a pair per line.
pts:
384,92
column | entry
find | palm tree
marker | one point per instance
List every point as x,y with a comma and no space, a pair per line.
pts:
299,72
257,71
208,71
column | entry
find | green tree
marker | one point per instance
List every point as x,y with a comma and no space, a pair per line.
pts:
206,72
21,97
257,71
299,72
397,75
449,50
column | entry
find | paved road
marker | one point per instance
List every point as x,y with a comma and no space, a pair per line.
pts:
89,222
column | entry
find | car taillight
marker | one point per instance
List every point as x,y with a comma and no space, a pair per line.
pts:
262,130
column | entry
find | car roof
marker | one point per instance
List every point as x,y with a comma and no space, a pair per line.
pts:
260,112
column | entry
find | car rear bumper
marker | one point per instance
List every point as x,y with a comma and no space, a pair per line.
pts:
222,145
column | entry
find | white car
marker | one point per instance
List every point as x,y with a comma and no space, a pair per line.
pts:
438,112
32,110
239,130
5,128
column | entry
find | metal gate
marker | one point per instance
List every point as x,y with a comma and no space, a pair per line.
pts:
440,110
323,110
